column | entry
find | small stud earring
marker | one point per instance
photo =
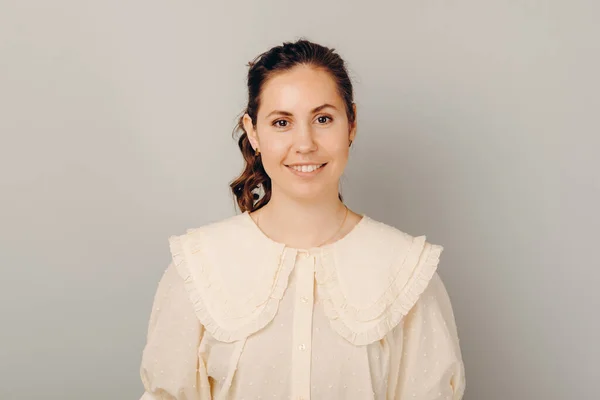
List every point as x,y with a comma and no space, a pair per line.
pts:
257,152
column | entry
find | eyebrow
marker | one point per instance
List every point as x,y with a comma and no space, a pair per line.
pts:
314,110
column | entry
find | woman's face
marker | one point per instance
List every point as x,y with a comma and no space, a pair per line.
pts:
302,121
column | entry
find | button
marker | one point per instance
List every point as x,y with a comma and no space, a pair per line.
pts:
302,347
304,299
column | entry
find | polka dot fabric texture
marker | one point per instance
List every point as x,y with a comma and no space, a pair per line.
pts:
239,316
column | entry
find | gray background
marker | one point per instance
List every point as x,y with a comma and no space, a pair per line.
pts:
477,126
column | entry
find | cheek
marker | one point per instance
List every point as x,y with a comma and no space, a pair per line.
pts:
336,140
340,161
274,152
338,149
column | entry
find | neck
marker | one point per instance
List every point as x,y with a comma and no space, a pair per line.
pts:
301,223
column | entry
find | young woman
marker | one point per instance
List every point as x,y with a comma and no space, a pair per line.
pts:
299,297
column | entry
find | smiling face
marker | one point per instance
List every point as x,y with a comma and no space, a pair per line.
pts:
302,121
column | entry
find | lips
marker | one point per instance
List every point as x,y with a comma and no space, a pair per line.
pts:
298,169
306,167
299,165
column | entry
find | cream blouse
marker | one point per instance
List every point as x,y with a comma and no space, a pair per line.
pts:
239,316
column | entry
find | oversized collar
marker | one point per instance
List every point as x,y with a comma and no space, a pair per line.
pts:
368,280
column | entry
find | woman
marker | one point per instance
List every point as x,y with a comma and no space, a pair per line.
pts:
299,297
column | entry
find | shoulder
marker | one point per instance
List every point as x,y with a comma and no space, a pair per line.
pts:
225,238
228,274
376,246
373,279
217,228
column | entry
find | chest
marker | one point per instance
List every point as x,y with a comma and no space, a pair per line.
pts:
298,354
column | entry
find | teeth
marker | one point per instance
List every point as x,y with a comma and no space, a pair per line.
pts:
306,168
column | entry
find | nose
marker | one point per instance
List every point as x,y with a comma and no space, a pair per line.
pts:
304,139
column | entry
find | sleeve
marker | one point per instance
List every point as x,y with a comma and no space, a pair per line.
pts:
430,361
171,368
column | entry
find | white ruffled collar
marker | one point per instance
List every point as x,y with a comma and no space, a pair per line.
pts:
368,280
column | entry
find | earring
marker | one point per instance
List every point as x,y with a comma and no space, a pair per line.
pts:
257,152
350,144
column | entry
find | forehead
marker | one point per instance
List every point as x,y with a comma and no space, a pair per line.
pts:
299,90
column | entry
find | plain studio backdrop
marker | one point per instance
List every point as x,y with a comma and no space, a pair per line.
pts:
477,126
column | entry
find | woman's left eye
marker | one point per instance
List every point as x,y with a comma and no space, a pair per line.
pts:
320,119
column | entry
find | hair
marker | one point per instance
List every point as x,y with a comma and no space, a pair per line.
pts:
277,60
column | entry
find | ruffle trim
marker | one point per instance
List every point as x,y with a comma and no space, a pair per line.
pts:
411,275
227,321
234,306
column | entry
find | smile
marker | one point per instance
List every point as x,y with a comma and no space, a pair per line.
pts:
306,170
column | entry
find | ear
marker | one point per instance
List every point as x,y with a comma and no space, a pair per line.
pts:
352,133
249,128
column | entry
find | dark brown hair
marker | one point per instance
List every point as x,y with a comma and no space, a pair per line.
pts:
277,60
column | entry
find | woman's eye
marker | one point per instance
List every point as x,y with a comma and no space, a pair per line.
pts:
278,125
323,118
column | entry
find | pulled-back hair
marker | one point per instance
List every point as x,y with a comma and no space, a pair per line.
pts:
266,65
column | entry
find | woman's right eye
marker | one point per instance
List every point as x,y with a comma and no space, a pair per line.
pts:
278,125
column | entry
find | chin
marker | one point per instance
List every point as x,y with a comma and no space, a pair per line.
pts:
307,192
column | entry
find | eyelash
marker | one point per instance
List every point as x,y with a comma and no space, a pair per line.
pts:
321,116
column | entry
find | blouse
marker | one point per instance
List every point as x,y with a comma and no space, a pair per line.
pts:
237,315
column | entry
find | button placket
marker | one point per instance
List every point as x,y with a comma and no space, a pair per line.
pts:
302,324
